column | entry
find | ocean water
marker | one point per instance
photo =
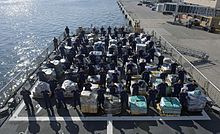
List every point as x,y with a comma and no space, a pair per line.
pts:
27,26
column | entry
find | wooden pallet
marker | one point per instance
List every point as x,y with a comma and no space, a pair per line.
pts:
161,112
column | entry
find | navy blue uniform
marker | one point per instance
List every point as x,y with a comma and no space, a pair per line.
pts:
177,88
101,97
60,97
135,87
124,100
173,68
162,89
76,98
27,99
47,99
146,76
152,97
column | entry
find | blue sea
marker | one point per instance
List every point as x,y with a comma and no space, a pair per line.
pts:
27,26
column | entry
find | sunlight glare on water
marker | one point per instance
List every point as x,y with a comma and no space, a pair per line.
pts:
27,26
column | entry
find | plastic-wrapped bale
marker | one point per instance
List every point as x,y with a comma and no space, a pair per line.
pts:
39,87
138,105
112,104
196,101
170,105
151,67
143,87
50,72
155,75
140,47
97,55
166,68
88,102
69,86
99,46
94,79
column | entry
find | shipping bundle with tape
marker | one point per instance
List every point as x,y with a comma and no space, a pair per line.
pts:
88,102
170,105
138,105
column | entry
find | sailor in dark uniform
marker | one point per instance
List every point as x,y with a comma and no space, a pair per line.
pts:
27,99
109,30
101,97
135,87
67,31
47,101
60,96
76,98
55,43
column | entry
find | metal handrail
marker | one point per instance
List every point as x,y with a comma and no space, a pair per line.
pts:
193,67
8,86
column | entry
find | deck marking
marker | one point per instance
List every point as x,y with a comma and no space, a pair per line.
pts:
15,117
109,124
113,118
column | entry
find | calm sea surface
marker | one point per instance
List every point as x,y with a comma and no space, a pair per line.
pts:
27,26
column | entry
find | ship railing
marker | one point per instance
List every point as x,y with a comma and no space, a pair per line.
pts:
210,88
21,79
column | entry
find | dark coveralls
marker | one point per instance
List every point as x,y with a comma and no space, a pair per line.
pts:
76,98
176,89
101,97
62,51
102,78
67,30
162,89
81,80
151,54
47,99
160,61
109,30
141,67
146,76
181,75
183,99
173,68
88,86
112,89
53,84
135,87
55,43
152,97
27,99
191,87
60,97
124,100
128,80
41,76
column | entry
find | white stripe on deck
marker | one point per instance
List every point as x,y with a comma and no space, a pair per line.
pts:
109,124
114,118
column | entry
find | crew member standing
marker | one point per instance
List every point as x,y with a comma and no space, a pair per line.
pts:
60,96
55,43
67,31
76,98
27,99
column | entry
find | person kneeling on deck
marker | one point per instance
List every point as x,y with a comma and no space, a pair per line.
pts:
152,94
101,97
76,98
27,99
59,92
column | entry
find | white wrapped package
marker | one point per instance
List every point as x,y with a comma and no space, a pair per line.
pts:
69,85
39,87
